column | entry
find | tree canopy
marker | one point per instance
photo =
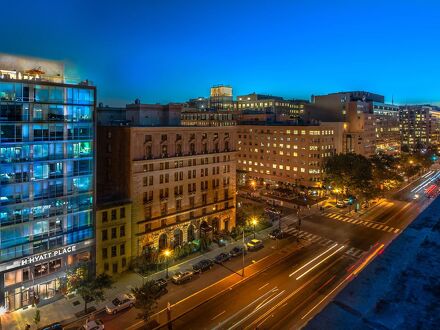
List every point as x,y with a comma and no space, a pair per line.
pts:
352,174
88,286
146,299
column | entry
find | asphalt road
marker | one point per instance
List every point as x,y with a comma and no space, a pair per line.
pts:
273,300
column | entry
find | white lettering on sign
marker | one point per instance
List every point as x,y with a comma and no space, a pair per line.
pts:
47,255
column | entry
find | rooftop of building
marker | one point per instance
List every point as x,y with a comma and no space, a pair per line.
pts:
400,289
36,70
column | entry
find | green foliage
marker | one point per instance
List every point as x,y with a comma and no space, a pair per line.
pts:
88,286
37,317
146,299
352,174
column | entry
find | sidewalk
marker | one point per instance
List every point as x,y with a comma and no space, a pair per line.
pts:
64,310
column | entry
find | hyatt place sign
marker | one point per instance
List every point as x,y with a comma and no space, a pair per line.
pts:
48,255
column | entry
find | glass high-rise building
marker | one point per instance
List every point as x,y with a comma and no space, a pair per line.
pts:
46,178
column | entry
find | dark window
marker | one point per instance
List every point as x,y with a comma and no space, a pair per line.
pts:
113,232
122,212
115,268
104,235
114,251
104,253
104,216
122,249
122,231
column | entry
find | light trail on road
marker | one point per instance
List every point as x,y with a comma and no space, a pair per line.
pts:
426,182
329,256
317,257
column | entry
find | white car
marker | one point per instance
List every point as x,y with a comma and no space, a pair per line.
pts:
119,303
93,325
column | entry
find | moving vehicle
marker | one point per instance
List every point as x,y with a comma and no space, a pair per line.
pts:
222,257
254,245
93,325
121,302
237,251
182,277
203,265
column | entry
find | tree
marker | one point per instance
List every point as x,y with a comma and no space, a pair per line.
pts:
146,299
37,317
385,171
352,174
88,286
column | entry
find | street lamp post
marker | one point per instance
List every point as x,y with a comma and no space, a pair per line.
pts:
166,253
254,223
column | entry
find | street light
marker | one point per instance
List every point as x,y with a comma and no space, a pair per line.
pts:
166,253
254,223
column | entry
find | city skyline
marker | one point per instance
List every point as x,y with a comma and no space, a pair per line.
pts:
180,51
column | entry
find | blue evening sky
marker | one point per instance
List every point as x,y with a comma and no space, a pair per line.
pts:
170,51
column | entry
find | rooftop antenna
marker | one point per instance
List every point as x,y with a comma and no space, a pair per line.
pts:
392,99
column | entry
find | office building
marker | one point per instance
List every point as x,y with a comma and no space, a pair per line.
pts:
180,180
193,117
220,98
47,178
420,127
355,108
282,109
288,154
388,138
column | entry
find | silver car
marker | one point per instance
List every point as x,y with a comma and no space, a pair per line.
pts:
181,277
119,303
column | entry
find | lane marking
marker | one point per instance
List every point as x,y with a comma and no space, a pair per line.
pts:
263,286
396,231
218,315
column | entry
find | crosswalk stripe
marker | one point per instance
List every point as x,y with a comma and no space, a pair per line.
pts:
338,217
391,229
380,227
375,226
385,227
349,220
396,231
355,221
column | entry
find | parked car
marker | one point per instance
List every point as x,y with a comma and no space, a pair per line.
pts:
277,234
182,277
158,290
220,241
160,282
93,325
120,302
222,257
237,251
254,245
203,265
53,326
340,204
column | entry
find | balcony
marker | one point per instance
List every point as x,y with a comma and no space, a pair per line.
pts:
163,198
